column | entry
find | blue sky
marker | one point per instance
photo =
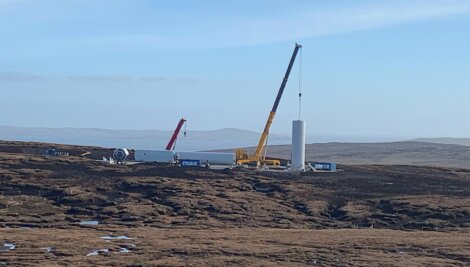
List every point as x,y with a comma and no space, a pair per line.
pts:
370,68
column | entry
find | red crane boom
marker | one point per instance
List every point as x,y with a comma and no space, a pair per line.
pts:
171,145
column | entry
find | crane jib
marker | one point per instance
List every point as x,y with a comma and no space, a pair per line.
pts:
264,135
286,77
171,145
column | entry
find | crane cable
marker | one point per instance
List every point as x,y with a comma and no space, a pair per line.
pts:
300,84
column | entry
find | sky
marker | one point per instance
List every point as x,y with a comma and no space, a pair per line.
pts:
394,68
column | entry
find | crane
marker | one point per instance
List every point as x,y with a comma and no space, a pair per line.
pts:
241,155
171,145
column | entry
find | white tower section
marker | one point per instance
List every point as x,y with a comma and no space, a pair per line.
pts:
298,145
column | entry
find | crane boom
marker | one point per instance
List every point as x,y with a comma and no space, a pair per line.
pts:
171,144
264,135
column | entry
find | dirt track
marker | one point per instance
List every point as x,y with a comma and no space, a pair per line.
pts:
43,200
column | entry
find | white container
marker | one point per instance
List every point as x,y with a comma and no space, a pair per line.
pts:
163,156
298,145
211,157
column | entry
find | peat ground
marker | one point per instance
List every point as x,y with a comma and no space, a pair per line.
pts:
361,215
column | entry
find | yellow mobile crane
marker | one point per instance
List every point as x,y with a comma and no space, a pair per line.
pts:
258,158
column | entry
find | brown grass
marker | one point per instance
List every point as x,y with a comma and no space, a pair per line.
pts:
238,246
370,215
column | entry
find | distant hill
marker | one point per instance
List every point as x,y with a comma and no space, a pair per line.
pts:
433,152
393,153
451,141
137,139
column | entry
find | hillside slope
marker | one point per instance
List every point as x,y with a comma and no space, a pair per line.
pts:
158,215
450,141
157,195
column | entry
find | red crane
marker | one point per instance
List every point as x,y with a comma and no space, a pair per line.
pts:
171,145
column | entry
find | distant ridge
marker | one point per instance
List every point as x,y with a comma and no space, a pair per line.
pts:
446,140
137,139
391,153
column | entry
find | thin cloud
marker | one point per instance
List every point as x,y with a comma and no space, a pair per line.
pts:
100,78
12,2
163,79
12,76
153,79
312,22
309,22
188,80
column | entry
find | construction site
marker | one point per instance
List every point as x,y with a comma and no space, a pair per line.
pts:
78,211
83,205
240,158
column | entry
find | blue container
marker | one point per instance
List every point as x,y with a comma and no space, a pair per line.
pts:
190,163
325,166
